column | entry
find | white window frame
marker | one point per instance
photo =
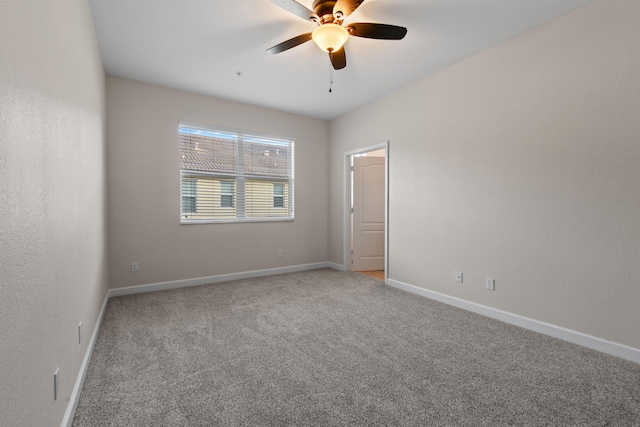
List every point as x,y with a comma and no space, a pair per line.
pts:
238,179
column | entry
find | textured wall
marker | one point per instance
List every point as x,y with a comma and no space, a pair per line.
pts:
520,163
144,189
52,203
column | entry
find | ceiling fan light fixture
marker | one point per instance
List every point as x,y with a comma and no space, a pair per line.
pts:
330,37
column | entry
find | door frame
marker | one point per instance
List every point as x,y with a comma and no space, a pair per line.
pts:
347,204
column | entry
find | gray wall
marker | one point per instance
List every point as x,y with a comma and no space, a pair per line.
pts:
52,203
521,163
144,190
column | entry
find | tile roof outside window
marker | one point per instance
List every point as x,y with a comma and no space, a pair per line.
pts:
211,154
206,153
266,159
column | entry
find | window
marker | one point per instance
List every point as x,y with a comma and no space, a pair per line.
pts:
278,195
226,194
188,194
230,177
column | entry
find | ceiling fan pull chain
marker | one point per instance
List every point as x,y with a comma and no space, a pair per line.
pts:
330,79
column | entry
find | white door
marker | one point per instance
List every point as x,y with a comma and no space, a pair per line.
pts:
368,214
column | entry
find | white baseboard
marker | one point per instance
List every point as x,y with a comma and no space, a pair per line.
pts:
175,284
336,266
67,421
589,341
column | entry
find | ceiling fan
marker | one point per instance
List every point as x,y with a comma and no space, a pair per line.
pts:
330,35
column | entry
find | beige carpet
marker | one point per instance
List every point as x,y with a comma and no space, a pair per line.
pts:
326,348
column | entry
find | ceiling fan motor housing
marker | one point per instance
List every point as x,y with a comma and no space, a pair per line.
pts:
324,10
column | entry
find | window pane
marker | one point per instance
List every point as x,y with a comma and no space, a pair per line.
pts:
226,194
188,187
202,150
278,195
266,157
188,204
226,187
226,201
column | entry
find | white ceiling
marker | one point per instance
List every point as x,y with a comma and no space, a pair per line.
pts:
218,47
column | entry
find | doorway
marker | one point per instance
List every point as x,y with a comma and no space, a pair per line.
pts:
366,210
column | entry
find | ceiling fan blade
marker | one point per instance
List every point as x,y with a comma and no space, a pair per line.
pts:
377,31
345,7
338,59
286,45
297,9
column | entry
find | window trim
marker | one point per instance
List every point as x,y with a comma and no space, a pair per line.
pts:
252,137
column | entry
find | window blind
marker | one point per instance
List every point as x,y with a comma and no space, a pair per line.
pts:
231,177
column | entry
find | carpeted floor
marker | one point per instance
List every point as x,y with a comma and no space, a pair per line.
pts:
327,348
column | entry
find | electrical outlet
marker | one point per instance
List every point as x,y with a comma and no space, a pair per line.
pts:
80,333
56,383
134,267
491,284
280,252
457,276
